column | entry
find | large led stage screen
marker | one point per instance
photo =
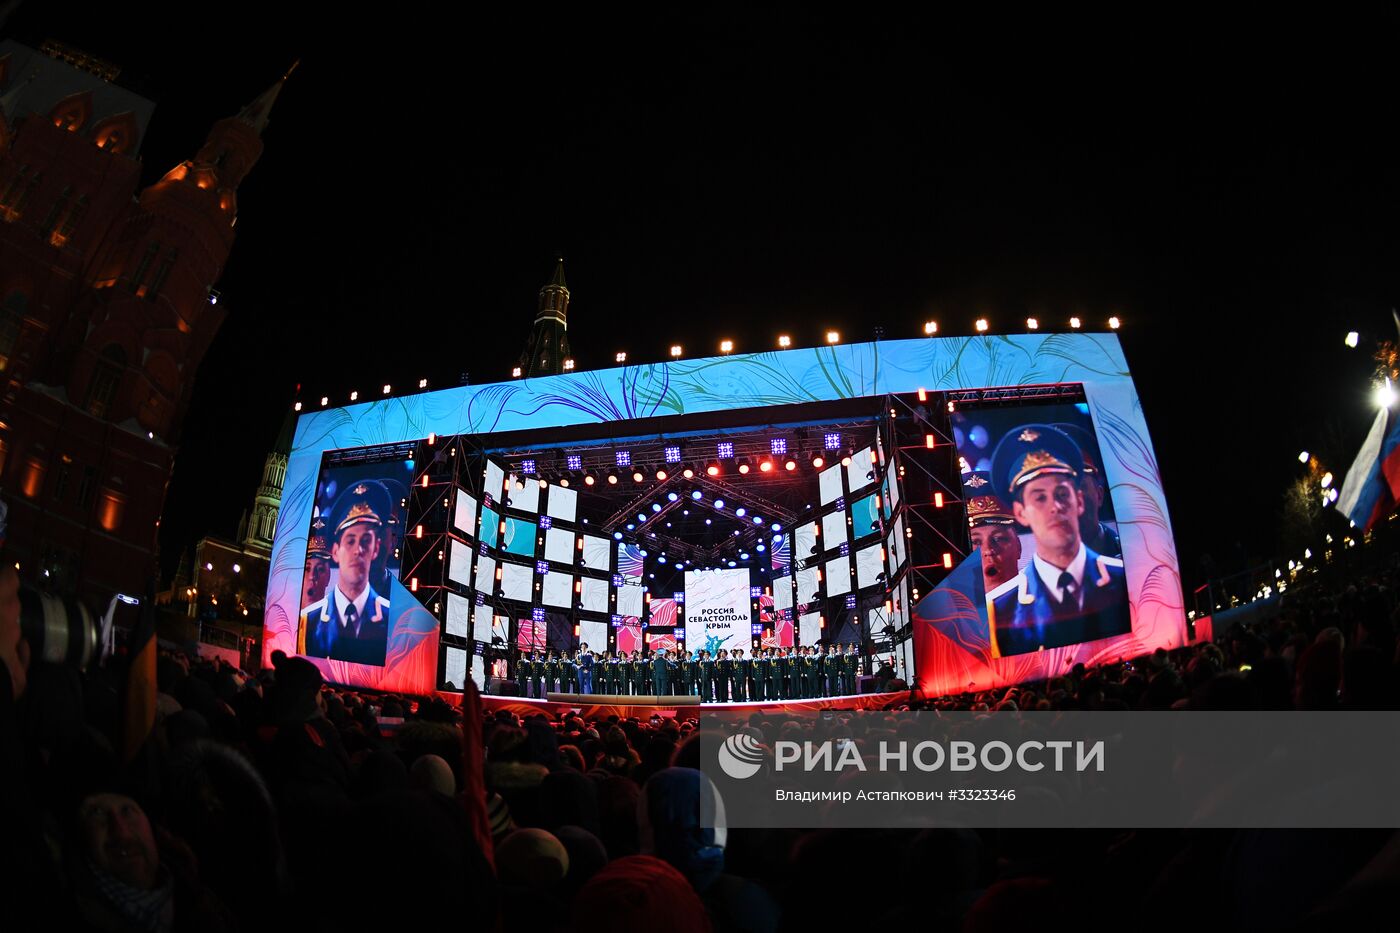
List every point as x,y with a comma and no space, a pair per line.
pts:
868,557
1047,547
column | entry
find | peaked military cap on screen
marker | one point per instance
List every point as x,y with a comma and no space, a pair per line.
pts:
1032,451
984,506
1085,442
318,546
364,502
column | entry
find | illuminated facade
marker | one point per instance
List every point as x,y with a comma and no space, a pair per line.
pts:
106,310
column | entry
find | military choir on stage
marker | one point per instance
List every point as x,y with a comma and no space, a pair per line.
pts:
770,675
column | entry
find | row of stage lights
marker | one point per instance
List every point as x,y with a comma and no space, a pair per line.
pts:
727,346
834,337
777,460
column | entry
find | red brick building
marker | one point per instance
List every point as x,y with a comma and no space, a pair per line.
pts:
106,310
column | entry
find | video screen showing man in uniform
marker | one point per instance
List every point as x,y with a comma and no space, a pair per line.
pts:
1066,592
349,562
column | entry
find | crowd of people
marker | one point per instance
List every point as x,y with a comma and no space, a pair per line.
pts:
272,799
724,676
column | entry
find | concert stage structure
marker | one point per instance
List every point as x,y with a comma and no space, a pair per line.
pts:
751,501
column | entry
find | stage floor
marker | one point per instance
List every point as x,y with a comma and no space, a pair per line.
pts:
601,710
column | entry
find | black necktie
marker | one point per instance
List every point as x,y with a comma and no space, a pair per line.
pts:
1066,584
350,621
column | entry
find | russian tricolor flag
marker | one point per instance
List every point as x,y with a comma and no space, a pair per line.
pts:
1372,486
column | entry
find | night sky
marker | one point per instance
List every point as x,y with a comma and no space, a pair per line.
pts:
1228,187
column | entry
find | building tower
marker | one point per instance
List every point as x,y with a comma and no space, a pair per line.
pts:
548,346
257,536
106,311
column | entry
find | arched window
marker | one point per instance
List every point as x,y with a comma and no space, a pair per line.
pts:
11,321
106,378
145,265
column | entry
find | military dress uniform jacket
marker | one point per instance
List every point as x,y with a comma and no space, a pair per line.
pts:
327,637
1024,616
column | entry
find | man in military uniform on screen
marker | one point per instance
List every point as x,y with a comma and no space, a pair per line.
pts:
993,530
352,622
1068,593
318,566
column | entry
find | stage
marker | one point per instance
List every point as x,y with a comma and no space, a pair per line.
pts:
601,707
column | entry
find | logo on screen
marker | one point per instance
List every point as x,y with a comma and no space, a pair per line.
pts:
740,756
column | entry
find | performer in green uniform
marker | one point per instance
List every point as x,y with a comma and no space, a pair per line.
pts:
851,669
707,676
775,675
639,674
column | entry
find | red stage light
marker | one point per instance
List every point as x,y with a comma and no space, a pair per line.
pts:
947,561
790,465
413,584
938,500
766,466
612,479
589,480
661,476
564,483
743,468
637,477
418,532
845,461
712,469
923,395
818,462
929,441
688,473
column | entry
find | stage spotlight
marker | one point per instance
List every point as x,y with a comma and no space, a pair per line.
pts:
741,511
688,473
1303,457
719,503
697,495
637,476
1326,480
589,480
1074,323
726,346
744,467
656,507
387,389
661,476
673,455
325,401
296,407
712,469
818,462
564,482
758,520
1114,323
612,479
777,527
671,497
515,373
981,325
930,328
354,396
1385,394
620,357
1353,338
631,527
1032,324
744,555
641,518
422,383
845,461
760,548
568,365
833,336
675,351
617,535
790,465
784,341
766,466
